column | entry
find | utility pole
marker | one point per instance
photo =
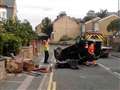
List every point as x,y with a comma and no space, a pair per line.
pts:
118,8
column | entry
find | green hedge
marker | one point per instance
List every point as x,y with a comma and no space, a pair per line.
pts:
9,43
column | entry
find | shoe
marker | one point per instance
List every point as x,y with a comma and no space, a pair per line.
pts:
46,62
95,64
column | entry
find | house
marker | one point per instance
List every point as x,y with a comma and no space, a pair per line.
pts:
38,28
100,25
3,12
11,8
91,24
65,26
103,23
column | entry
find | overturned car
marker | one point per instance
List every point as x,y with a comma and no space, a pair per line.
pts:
76,53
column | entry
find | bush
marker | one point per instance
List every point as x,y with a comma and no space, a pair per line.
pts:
9,43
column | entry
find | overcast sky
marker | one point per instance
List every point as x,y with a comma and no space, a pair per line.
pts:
35,10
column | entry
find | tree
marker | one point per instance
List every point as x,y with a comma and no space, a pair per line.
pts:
14,34
46,26
63,13
25,32
90,15
87,18
102,13
114,27
20,29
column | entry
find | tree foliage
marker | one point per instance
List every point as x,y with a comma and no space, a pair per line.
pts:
46,26
87,18
20,29
91,14
114,27
15,34
63,13
102,13
9,43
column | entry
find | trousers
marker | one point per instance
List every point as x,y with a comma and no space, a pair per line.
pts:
46,56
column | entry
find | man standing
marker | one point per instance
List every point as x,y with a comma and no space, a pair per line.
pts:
91,50
46,50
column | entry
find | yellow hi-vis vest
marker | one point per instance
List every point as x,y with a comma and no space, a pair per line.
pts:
46,47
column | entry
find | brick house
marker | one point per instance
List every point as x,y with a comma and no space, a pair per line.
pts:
3,12
103,23
38,28
11,8
90,25
65,26
100,25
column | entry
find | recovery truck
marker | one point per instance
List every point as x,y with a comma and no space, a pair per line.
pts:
105,47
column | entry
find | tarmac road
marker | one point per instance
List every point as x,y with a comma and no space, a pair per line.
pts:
105,76
87,78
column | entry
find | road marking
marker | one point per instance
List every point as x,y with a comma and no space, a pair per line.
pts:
54,86
50,81
25,83
114,57
42,82
103,66
116,74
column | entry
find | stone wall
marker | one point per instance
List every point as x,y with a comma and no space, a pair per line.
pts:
27,53
3,73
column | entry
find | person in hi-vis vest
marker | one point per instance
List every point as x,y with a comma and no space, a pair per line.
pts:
91,54
46,50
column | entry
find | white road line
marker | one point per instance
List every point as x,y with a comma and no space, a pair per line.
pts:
103,66
42,82
117,75
115,57
25,84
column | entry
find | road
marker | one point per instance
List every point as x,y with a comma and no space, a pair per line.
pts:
105,76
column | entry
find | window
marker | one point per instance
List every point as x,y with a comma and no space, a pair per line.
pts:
4,14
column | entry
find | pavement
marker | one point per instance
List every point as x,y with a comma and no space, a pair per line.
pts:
26,80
